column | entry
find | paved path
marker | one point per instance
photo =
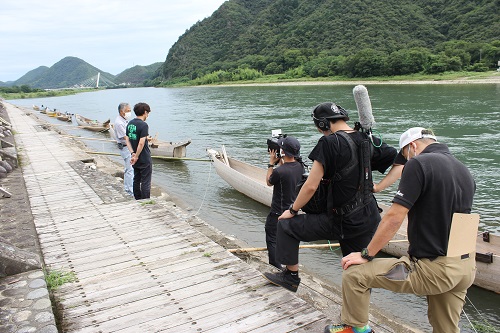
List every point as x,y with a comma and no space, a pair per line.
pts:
139,267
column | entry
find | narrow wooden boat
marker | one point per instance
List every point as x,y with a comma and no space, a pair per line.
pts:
51,113
161,148
92,125
250,181
36,107
245,178
64,116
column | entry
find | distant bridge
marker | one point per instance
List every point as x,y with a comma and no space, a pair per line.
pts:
96,82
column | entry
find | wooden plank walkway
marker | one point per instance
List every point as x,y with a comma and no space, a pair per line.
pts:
140,267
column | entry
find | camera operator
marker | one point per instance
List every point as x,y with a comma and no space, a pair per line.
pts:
351,215
284,178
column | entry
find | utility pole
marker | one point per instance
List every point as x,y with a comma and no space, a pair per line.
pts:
98,76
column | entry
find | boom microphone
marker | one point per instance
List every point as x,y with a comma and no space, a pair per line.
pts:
364,107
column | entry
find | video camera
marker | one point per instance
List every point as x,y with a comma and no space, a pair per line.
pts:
272,143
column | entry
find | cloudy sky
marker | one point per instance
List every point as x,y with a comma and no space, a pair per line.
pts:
112,35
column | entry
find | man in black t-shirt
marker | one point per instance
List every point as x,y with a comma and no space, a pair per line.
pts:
434,186
137,143
354,225
284,179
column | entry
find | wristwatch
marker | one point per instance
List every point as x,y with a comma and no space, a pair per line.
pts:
270,166
292,211
365,255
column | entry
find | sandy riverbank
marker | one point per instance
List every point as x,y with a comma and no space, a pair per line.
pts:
492,79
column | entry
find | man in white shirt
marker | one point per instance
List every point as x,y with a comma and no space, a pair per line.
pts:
121,122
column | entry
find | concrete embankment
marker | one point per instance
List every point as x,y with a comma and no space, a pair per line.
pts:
135,266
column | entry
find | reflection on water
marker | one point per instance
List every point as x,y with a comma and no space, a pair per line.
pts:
466,117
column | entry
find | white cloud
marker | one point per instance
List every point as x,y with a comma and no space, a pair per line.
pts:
110,35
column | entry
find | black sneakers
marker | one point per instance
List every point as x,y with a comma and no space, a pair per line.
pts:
287,279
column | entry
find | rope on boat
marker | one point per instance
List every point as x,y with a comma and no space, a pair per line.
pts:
206,190
467,317
76,126
86,138
332,245
158,157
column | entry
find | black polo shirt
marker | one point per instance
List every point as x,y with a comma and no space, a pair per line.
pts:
433,186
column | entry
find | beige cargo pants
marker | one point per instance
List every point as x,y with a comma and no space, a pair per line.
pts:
443,280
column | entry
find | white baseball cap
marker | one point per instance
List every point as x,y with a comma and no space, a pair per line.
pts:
413,134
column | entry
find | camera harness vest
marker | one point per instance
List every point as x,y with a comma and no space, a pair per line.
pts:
361,155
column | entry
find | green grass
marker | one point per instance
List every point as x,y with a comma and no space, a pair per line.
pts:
483,327
45,93
150,202
55,278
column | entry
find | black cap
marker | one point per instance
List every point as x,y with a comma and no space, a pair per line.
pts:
329,111
290,146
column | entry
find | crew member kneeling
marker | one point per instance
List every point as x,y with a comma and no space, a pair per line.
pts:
433,187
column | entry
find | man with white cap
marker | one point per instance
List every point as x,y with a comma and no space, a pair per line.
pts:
284,178
397,168
434,186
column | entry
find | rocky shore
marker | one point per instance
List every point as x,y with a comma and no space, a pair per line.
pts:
8,158
25,303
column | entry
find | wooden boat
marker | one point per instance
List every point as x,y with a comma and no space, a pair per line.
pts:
245,178
36,107
50,113
64,116
161,148
92,125
250,181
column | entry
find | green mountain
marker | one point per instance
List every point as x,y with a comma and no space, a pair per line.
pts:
274,36
137,74
67,72
31,76
72,71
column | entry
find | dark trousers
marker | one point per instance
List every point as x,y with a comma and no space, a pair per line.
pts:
142,181
271,228
313,227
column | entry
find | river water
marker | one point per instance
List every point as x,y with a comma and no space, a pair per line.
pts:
466,117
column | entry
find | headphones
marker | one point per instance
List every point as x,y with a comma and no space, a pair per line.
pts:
337,111
322,123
